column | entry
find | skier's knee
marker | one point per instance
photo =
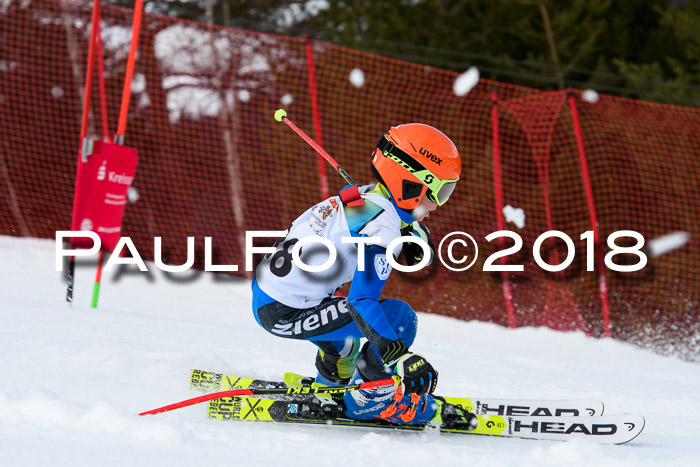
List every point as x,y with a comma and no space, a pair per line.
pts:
402,319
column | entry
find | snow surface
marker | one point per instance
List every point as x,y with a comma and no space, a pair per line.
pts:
73,380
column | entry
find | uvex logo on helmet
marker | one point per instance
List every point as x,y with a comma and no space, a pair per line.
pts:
430,155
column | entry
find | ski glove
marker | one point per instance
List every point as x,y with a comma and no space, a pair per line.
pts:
412,251
417,375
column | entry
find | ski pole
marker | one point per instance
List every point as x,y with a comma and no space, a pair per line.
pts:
281,116
275,391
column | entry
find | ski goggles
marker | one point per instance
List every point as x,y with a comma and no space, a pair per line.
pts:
439,191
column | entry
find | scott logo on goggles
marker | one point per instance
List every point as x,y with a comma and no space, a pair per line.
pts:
427,178
430,155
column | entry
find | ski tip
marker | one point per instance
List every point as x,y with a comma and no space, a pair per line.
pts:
595,408
280,114
637,427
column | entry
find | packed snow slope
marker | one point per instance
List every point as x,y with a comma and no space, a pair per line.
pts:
73,380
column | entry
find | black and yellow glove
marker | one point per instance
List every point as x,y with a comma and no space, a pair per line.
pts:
417,375
412,252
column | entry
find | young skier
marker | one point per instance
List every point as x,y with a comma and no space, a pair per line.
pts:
417,168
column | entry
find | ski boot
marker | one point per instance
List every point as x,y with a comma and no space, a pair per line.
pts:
450,416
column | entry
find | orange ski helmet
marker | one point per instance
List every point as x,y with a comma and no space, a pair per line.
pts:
415,160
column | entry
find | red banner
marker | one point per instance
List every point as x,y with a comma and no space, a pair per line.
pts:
101,192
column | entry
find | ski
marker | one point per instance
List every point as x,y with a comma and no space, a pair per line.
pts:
206,381
319,390
607,429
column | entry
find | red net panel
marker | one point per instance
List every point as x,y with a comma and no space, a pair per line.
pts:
213,162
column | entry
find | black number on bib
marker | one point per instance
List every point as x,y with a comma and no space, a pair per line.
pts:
285,254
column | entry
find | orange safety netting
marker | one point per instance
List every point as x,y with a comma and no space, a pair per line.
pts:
213,162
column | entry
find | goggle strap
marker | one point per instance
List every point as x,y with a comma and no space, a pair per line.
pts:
387,146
